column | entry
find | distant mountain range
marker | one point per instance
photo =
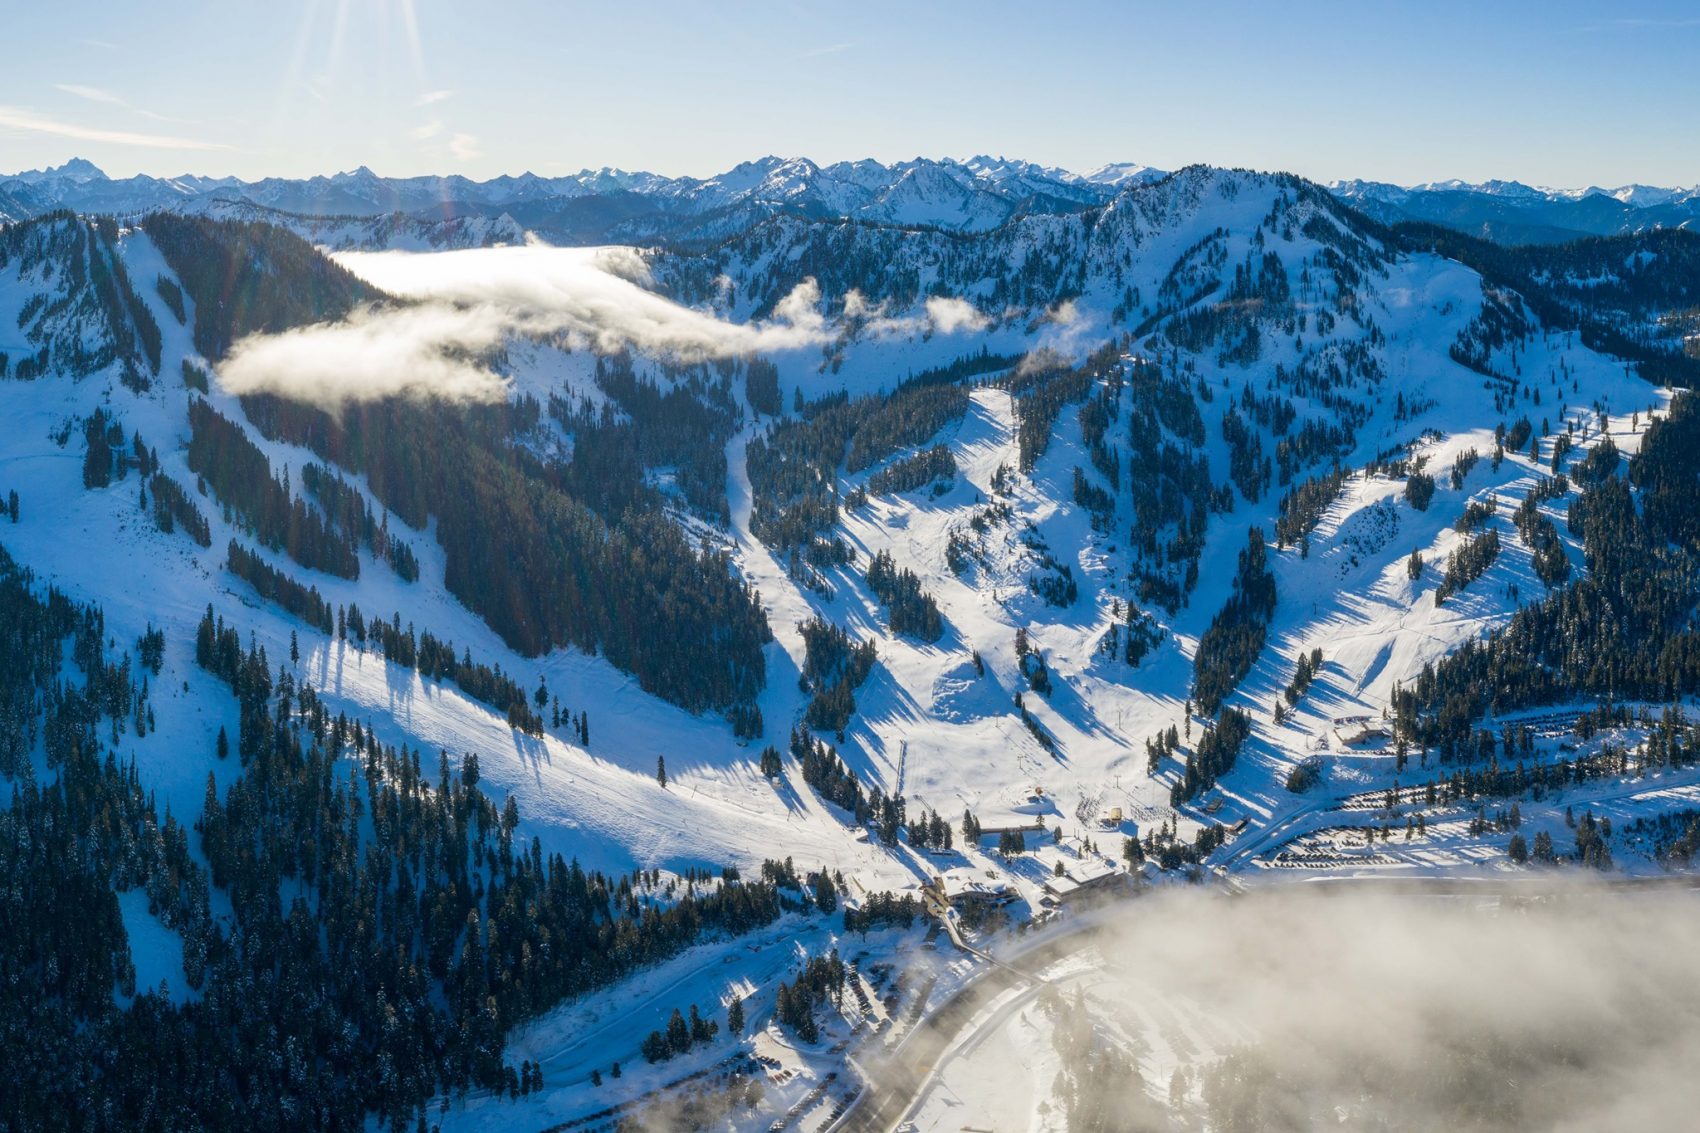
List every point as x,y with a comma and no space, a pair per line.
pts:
971,196
606,205
1509,212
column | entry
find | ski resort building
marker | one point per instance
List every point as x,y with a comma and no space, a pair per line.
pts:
965,888
1083,876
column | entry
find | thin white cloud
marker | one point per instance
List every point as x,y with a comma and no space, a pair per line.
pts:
433,96
93,94
428,131
831,49
107,98
464,147
16,119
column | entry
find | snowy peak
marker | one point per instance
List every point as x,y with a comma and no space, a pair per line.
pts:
1514,213
78,170
973,194
1643,196
595,205
1123,173
1514,190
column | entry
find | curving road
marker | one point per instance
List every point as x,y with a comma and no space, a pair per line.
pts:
897,1080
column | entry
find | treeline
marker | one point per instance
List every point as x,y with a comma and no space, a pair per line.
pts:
1133,636
1621,631
1218,750
1169,482
305,602
1100,411
1674,744
959,369
36,703
826,773
1551,562
103,451
541,567
1040,391
1498,325
172,508
1467,563
433,930
881,910
248,278
911,415
1100,504
911,472
346,508
1419,489
1304,673
1302,508
911,610
761,387
424,652
679,1037
1248,468
221,453
794,468
931,831
1235,637
821,980
682,429
1168,851
94,289
833,668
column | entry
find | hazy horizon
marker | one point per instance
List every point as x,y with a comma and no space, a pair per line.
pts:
707,174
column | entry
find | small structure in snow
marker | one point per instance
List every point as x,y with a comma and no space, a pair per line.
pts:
1034,802
1081,877
963,889
1362,733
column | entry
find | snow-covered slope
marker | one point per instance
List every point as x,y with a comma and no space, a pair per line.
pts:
1144,385
1169,249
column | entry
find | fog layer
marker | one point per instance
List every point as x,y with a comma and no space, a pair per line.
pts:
466,304
1357,1010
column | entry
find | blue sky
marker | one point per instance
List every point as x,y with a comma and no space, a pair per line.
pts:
1553,93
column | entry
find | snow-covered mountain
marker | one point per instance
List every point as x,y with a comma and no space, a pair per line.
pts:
606,205
971,195
1638,196
928,539
1514,213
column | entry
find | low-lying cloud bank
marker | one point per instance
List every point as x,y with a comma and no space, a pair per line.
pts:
466,304
428,350
1579,1010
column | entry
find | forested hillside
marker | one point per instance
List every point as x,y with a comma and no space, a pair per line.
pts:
436,759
